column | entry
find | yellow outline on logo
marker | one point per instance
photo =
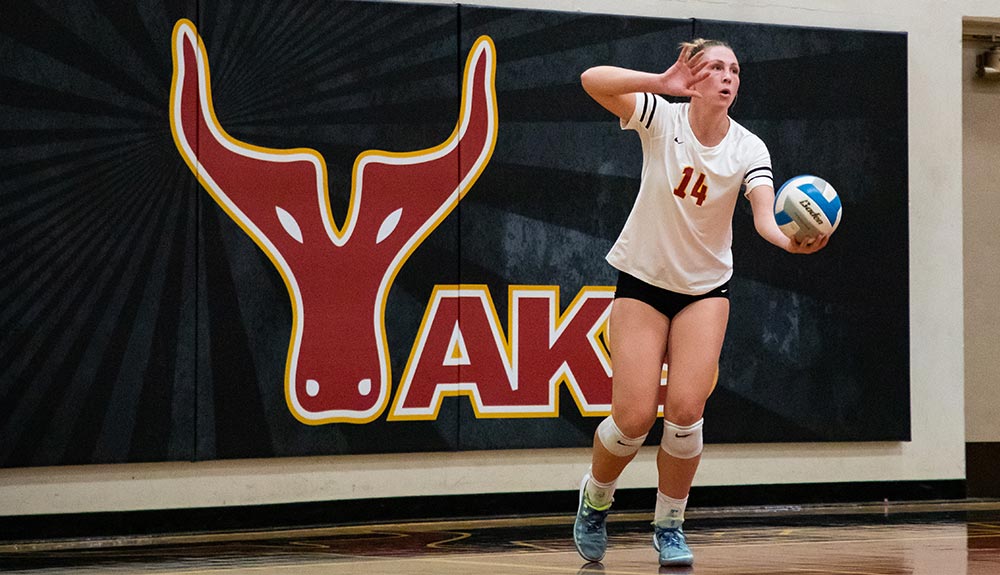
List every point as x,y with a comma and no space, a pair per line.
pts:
482,47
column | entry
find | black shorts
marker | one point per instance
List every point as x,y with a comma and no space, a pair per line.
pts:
665,301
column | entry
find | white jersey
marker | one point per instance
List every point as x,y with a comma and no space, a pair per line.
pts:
679,235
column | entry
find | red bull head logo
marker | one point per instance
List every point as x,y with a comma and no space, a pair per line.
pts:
280,198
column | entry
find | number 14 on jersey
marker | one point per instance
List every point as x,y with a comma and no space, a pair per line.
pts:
699,191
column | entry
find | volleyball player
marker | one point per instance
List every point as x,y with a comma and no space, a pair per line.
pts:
674,261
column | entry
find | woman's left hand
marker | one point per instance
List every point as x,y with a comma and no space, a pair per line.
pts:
808,245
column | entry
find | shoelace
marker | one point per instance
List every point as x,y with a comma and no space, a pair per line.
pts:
670,538
593,519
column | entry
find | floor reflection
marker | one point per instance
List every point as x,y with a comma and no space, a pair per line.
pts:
948,538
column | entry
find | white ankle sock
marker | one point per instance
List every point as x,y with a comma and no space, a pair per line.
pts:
599,495
669,511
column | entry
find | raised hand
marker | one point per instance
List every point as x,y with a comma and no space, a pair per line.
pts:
681,77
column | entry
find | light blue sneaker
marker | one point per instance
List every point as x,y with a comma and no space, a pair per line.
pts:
590,532
672,545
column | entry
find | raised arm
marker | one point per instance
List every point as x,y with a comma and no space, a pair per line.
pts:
762,204
613,87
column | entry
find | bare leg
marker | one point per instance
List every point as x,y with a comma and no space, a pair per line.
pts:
695,342
638,343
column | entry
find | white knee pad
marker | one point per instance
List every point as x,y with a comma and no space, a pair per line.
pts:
615,441
682,442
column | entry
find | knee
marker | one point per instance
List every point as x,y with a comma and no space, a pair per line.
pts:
684,411
634,424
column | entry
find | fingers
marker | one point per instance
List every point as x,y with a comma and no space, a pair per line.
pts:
696,66
696,62
700,75
681,77
684,56
808,245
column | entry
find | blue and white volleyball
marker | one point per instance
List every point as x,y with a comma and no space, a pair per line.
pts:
806,206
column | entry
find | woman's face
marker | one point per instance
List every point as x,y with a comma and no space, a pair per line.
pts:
723,80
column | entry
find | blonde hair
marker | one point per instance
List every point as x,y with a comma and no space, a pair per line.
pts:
699,44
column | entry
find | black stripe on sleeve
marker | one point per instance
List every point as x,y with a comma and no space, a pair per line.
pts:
758,173
651,112
768,168
645,102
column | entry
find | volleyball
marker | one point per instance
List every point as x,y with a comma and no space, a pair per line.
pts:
806,206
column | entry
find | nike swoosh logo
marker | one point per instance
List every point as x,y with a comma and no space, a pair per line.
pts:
724,291
682,436
625,444
678,141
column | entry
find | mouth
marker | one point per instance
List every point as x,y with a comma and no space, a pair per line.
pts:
725,92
